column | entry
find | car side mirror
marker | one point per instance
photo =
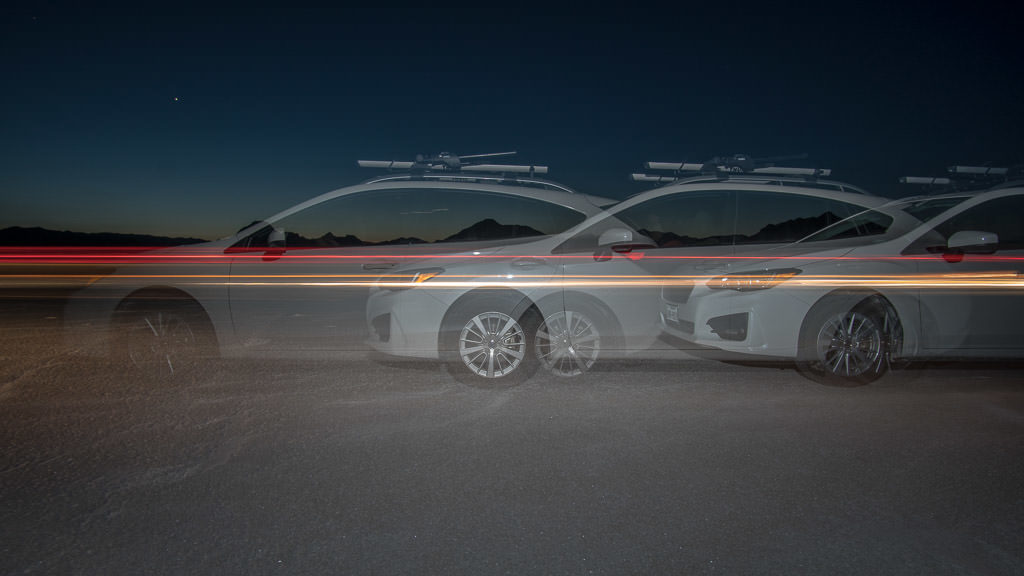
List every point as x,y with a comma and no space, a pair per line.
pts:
970,242
620,241
276,238
275,245
614,236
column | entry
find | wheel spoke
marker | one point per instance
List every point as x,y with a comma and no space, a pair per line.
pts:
151,327
518,354
471,349
510,323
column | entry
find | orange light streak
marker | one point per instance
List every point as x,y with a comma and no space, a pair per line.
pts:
130,256
987,280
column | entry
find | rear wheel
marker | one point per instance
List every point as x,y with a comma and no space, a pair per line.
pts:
164,338
849,340
568,343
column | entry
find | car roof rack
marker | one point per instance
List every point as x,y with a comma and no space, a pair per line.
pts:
962,178
446,162
725,166
744,167
449,167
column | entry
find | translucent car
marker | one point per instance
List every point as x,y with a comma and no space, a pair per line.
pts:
297,282
591,292
925,277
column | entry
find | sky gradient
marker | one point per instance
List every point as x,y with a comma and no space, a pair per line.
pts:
186,120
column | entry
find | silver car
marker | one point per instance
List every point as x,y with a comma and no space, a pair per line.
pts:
297,282
591,292
926,277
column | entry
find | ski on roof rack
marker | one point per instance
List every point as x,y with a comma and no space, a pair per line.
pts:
963,178
448,162
737,164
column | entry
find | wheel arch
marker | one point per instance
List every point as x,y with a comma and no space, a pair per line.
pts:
855,297
153,294
583,302
844,301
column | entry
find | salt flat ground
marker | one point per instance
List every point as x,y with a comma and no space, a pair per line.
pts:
364,466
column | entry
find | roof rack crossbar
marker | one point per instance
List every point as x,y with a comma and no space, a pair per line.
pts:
925,180
638,177
978,170
789,171
447,162
386,164
735,164
506,168
963,178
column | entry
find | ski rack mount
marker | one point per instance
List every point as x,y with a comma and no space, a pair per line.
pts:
724,166
966,178
446,162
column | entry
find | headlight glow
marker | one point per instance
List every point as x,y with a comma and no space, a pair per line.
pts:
755,280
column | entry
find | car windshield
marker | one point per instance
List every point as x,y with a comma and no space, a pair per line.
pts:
887,222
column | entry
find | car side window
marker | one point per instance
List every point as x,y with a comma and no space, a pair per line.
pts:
419,216
700,218
694,218
1001,215
774,218
470,215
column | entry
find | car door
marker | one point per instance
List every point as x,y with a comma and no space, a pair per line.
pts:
970,298
311,292
617,266
301,283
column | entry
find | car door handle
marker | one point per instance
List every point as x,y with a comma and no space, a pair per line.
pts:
528,263
379,265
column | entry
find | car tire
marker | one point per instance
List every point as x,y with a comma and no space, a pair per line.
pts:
164,339
849,340
487,343
568,343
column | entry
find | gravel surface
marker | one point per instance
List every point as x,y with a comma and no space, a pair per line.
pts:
366,466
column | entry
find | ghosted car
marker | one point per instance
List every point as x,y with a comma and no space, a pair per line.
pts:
297,282
590,292
926,277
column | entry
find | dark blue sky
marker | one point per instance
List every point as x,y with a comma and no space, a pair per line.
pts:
193,120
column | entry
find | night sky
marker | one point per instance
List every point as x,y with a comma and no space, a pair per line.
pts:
192,120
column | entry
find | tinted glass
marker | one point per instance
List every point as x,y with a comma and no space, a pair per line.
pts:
685,219
770,217
1004,216
417,216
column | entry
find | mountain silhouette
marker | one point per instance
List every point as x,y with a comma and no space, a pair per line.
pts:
790,230
36,236
490,229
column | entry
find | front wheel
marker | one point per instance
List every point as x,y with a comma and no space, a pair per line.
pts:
845,342
491,347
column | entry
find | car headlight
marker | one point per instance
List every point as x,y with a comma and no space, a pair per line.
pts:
755,280
409,278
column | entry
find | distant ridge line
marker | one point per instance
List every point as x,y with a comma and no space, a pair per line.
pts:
37,236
